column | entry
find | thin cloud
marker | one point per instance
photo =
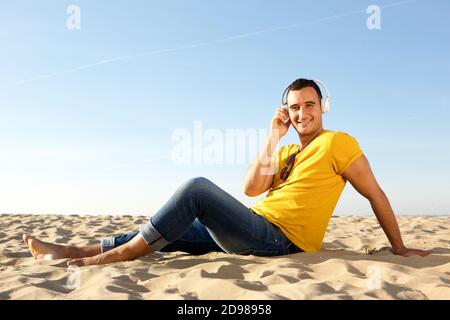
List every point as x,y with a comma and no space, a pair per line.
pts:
201,44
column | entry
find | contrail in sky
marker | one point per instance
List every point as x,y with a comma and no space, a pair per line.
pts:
200,44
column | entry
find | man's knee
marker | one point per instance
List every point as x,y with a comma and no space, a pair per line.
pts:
196,186
198,182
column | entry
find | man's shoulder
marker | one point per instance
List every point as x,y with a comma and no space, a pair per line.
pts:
343,143
337,132
340,135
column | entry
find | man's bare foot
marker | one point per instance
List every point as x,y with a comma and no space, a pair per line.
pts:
41,249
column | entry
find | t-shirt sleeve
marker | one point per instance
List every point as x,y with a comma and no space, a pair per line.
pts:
274,166
344,150
278,159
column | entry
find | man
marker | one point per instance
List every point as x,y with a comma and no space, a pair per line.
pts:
322,163
305,183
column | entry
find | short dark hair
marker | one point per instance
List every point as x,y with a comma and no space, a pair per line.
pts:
300,84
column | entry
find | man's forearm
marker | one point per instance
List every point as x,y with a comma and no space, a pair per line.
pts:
383,211
262,169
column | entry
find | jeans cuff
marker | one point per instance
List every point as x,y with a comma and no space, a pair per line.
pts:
107,244
152,237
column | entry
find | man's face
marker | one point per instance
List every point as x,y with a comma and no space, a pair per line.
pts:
304,110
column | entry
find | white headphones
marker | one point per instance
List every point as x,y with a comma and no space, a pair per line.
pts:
325,103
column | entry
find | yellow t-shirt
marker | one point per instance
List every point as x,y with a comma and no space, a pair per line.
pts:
302,205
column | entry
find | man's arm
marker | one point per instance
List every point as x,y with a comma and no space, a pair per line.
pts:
259,177
360,175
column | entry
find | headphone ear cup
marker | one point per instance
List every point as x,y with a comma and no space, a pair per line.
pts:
326,105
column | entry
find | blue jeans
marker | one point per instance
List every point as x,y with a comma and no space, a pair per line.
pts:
200,217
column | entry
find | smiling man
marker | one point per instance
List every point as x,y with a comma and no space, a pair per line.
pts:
304,180
311,175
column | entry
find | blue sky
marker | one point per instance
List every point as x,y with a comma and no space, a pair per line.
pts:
79,136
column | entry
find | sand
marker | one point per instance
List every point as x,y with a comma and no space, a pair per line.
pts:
354,263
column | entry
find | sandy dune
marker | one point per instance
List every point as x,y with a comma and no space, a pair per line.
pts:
354,264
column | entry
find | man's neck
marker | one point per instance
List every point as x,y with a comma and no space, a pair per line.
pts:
306,139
